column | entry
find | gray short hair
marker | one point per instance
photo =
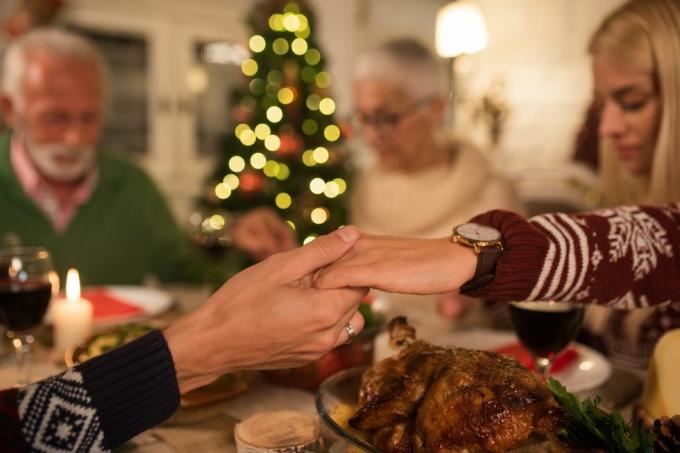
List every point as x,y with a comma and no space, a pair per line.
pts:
405,62
50,40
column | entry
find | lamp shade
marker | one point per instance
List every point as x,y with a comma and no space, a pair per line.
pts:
460,30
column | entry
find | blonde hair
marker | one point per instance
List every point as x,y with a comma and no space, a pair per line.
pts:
645,35
50,40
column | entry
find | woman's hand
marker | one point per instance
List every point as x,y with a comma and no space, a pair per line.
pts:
412,266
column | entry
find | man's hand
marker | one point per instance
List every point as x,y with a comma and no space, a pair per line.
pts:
262,233
267,316
411,266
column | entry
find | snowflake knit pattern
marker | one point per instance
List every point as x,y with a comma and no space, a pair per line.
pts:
58,416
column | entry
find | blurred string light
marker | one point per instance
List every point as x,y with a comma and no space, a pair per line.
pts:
274,114
271,168
342,185
319,215
291,22
313,57
331,190
258,161
262,131
280,46
320,155
291,224
291,8
299,46
308,239
222,191
247,137
249,67
284,172
308,74
240,128
304,34
308,158
257,86
275,77
323,79
286,95
310,126
231,181
331,133
216,222
272,143
276,22
257,43
313,101
317,186
327,106
284,201
237,164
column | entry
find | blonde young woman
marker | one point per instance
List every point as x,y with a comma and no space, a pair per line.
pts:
636,71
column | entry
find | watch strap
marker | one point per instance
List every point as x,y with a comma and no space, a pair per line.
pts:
486,268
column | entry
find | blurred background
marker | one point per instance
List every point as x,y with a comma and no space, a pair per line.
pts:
522,98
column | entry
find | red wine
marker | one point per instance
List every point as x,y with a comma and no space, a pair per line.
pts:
546,328
23,305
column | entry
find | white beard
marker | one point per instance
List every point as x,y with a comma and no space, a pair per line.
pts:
47,159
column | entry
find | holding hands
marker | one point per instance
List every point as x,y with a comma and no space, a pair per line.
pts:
400,265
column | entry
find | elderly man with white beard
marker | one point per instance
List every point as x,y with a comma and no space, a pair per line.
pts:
91,210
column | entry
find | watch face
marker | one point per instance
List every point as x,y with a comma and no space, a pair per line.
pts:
477,232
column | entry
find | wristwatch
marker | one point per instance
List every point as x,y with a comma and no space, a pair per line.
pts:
486,241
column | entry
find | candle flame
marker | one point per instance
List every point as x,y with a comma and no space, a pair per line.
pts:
72,285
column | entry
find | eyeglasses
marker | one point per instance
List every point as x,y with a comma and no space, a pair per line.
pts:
382,122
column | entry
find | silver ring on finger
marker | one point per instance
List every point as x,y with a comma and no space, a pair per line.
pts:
351,333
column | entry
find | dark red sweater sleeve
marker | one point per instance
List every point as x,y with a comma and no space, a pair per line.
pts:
623,257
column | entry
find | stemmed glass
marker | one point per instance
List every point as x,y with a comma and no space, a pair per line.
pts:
545,328
25,292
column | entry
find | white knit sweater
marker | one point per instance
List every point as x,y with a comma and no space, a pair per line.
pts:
430,203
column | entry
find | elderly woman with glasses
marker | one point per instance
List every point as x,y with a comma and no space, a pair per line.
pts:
420,182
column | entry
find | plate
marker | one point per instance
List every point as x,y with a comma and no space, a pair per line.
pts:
118,304
589,371
146,302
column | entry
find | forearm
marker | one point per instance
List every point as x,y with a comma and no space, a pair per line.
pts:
103,402
624,257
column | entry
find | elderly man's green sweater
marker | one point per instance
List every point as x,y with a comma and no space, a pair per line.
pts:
123,233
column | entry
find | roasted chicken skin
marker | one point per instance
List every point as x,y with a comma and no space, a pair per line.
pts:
435,399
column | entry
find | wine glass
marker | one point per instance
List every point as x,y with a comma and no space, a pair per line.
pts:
545,328
25,293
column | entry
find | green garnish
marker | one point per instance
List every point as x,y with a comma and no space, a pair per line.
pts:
591,427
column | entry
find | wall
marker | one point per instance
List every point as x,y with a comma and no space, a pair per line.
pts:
537,48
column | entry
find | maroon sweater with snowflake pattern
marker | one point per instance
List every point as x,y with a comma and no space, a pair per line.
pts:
624,258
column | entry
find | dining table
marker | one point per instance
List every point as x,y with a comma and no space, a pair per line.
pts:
210,428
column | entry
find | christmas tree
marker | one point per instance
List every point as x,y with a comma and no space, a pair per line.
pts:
282,152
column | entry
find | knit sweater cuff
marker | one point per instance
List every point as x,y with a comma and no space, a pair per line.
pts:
133,387
518,268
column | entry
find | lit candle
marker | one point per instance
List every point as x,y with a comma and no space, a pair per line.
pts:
72,316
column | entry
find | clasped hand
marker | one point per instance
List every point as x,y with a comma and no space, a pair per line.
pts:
293,307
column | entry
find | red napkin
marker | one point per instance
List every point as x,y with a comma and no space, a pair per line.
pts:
107,305
523,356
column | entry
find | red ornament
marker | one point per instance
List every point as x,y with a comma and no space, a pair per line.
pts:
291,144
242,113
250,182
